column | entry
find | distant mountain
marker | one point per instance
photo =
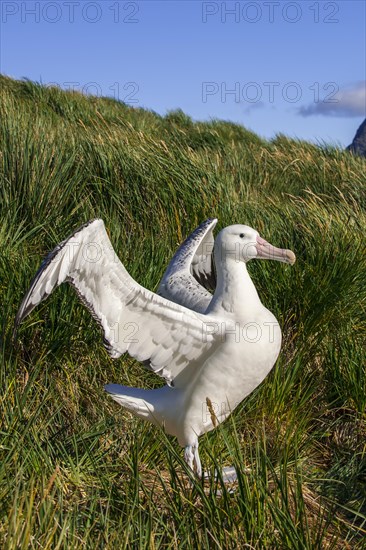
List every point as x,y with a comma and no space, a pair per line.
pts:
358,145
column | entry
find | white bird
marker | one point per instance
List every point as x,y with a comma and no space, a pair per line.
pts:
211,356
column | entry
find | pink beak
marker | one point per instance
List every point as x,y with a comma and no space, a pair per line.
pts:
267,251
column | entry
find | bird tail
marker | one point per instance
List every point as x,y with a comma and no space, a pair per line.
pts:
138,401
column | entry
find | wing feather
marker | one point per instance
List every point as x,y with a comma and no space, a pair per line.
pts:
191,275
149,327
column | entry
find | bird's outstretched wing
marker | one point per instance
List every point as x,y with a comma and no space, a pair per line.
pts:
191,273
165,336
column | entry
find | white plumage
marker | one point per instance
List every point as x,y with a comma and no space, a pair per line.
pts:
190,276
211,350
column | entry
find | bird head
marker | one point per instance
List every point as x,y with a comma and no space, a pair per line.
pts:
243,243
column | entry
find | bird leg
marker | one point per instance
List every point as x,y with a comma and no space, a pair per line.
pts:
188,456
192,458
197,461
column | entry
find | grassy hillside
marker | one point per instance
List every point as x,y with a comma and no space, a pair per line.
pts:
76,470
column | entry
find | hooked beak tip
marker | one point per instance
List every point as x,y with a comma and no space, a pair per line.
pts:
268,251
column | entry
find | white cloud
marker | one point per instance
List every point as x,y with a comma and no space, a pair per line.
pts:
346,102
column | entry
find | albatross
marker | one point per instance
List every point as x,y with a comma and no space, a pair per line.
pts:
212,350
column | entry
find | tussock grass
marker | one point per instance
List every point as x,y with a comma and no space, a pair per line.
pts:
76,471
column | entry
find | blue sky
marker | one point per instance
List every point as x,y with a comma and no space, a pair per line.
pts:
297,68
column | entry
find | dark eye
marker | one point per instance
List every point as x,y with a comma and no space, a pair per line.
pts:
242,235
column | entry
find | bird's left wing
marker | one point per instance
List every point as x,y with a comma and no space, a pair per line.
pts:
190,275
165,336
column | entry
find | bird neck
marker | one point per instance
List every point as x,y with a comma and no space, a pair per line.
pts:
235,291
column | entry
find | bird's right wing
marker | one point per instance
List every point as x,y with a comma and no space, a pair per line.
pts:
171,340
191,276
